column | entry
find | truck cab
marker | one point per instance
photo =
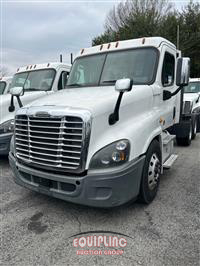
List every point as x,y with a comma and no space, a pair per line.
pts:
189,124
192,98
33,81
103,141
4,85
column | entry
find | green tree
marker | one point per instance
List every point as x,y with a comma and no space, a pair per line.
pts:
190,35
136,18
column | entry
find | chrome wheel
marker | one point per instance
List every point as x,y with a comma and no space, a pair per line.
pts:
190,133
153,171
195,127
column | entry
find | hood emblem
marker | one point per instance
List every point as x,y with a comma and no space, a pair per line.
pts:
42,114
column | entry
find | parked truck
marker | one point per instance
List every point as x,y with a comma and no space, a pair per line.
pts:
103,141
189,124
4,84
33,81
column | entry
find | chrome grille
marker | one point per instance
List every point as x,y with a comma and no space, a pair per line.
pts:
56,143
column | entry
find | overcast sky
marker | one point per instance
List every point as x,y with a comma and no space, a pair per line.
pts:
35,31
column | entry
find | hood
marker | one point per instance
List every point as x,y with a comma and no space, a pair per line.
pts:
83,98
191,97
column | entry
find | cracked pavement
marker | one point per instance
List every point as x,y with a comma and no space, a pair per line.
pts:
37,229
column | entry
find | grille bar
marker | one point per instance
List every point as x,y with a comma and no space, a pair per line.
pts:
51,143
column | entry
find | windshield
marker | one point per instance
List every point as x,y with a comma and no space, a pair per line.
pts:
193,87
2,87
106,68
38,80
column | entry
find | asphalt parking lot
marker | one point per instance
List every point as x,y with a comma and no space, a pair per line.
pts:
37,230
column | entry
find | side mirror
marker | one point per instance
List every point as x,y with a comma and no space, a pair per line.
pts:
183,71
17,91
123,85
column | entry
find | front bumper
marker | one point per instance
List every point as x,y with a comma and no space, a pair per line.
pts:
5,143
94,189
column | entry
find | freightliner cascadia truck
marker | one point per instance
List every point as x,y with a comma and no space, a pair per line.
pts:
33,82
103,141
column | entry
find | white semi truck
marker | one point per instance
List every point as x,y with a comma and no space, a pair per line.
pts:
4,84
33,81
189,124
103,141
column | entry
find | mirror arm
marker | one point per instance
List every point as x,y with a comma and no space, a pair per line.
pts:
19,101
176,91
167,94
114,117
11,108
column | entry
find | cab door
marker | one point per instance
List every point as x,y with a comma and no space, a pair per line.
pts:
167,79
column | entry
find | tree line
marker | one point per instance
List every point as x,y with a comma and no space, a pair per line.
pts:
145,18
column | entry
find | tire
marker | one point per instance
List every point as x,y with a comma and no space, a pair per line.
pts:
151,173
194,129
185,141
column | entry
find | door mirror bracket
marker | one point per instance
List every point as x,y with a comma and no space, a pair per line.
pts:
121,85
15,92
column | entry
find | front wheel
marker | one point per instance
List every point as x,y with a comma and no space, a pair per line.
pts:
151,173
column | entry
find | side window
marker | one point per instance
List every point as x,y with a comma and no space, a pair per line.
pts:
168,70
63,80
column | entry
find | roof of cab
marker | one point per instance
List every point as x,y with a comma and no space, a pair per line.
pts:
133,43
194,79
32,67
5,78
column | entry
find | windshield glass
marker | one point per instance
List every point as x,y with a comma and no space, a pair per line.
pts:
38,80
2,87
193,87
106,68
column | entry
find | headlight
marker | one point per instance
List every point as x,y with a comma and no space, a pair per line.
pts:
113,155
7,126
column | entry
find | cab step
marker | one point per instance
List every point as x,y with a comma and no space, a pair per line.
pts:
169,162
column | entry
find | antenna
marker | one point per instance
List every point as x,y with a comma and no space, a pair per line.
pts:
60,58
71,58
177,37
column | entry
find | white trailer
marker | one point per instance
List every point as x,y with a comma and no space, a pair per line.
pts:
104,141
4,84
33,82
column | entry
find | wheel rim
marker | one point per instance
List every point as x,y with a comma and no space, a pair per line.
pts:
190,133
195,127
153,171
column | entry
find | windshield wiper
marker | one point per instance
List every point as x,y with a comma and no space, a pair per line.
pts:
109,81
31,89
74,84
